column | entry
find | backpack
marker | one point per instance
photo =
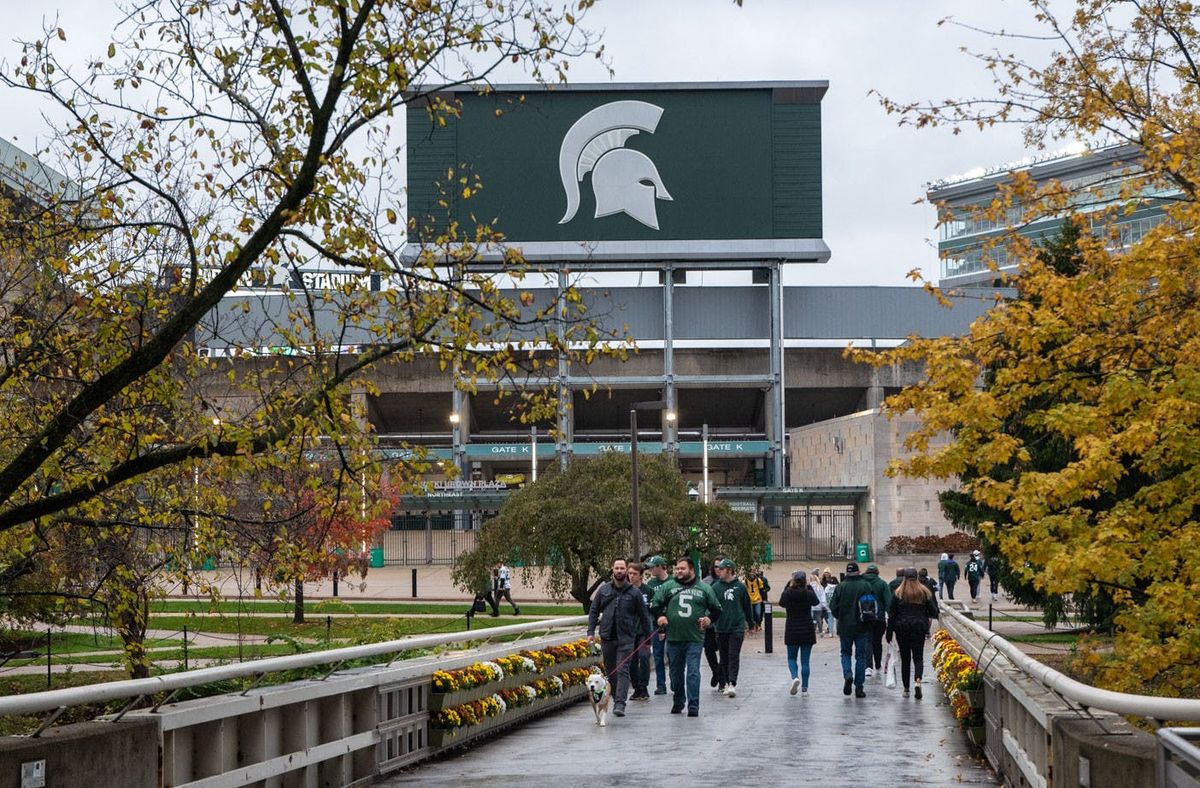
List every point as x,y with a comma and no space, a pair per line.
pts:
868,608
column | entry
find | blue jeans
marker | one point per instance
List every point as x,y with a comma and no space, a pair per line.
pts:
685,658
805,653
860,642
660,669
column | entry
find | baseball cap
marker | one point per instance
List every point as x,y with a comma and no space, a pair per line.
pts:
872,569
851,569
726,563
655,560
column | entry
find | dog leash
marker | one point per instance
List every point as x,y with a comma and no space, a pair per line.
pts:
632,653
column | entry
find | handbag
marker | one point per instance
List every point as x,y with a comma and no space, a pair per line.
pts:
889,667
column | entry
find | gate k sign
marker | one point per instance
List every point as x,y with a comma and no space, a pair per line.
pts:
623,180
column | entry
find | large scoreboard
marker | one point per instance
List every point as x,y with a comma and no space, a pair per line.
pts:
722,171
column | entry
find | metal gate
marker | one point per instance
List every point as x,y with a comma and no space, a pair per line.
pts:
417,538
802,533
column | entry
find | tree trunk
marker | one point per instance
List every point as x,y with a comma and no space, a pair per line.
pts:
298,613
131,626
580,591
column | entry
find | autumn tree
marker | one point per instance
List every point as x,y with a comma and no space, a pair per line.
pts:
568,526
304,523
1104,360
214,145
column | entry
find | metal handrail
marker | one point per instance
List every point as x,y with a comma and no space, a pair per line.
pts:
1177,758
1085,695
131,688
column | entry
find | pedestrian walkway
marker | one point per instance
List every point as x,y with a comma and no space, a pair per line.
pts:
764,737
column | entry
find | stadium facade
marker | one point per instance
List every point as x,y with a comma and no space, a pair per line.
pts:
680,207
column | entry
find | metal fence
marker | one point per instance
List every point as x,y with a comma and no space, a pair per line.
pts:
1178,758
1023,697
811,533
430,538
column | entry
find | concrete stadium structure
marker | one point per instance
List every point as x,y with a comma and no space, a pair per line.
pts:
1095,177
732,351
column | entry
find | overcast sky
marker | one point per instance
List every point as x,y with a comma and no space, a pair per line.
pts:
874,171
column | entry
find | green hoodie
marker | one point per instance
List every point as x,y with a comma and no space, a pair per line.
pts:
735,605
684,606
844,604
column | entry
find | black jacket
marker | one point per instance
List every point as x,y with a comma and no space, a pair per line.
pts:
909,619
798,602
620,612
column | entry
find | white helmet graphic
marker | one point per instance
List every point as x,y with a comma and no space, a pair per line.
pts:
623,180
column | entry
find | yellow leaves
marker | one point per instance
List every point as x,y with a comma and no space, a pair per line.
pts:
112,50
391,216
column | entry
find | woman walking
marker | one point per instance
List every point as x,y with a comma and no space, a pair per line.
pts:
799,636
828,584
913,605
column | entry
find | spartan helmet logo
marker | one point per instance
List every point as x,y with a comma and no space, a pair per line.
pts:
623,180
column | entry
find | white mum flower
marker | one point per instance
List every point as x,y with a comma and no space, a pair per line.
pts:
529,664
557,682
503,705
497,671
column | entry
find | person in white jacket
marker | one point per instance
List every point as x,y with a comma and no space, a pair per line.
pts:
820,611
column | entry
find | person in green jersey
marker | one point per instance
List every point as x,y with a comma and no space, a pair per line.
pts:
736,616
684,608
656,567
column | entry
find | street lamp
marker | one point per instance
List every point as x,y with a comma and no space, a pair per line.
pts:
635,527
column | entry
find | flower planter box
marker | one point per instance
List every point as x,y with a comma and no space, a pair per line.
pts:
974,698
440,739
977,735
442,700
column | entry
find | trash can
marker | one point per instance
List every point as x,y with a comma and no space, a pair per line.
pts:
768,554
862,552
376,557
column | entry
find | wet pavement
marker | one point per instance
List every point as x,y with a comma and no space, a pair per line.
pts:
763,737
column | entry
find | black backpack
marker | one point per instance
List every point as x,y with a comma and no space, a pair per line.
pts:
868,608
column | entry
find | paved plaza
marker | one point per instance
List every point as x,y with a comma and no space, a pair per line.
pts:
763,737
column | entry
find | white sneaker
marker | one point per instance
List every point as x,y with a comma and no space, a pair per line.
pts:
870,672
731,691
795,686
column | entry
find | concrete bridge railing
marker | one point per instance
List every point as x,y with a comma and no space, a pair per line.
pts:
1044,728
344,729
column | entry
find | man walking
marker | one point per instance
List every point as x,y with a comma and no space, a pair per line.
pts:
620,612
639,663
883,593
710,634
685,608
855,608
736,616
950,574
503,588
975,572
658,575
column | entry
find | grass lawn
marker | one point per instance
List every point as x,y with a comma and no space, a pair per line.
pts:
1044,637
33,640
315,627
323,607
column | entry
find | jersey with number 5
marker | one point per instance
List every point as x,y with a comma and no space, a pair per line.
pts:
684,606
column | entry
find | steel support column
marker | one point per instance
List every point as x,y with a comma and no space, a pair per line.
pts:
669,430
776,432
565,417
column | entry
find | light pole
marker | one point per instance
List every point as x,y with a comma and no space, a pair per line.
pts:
635,526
